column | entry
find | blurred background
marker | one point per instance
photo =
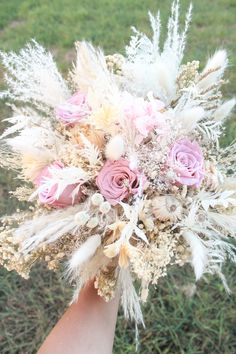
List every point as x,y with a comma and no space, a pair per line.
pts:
179,317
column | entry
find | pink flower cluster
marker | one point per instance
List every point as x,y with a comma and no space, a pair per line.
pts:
74,110
143,115
186,160
116,181
48,189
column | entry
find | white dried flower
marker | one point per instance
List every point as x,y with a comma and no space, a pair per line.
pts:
166,208
105,207
97,199
81,218
115,148
92,223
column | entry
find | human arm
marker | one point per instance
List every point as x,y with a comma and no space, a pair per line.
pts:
87,327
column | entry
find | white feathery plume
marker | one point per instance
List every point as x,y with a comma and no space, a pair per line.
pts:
148,68
199,257
84,253
219,61
18,123
91,75
224,110
213,70
218,253
35,137
87,271
223,199
211,251
223,279
44,146
115,148
129,298
90,64
47,228
71,174
29,126
165,80
189,118
219,249
211,130
24,117
156,27
225,221
33,162
32,76
216,260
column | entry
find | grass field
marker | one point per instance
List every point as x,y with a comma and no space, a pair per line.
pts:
175,322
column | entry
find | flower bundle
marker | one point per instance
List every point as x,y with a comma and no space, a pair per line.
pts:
121,164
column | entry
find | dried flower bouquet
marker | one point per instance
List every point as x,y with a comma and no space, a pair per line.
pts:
121,164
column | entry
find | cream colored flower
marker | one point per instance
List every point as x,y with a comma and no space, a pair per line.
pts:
166,208
117,228
112,250
124,250
105,117
124,255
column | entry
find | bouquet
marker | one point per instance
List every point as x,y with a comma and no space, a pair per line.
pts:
120,164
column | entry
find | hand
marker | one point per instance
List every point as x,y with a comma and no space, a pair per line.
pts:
87,327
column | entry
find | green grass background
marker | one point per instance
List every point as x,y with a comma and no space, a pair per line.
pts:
175,323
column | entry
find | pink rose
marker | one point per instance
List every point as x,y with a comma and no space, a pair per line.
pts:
186,160
143,115
116,181
74,110
48,189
